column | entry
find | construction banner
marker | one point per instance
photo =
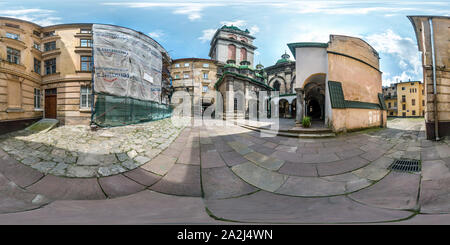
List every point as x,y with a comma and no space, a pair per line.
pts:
127,63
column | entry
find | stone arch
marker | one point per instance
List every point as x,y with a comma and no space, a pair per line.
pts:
314,90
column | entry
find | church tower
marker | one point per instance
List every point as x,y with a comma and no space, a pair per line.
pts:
231,45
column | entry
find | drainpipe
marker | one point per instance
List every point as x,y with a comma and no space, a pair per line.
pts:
436,123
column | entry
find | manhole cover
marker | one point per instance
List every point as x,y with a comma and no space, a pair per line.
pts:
405,165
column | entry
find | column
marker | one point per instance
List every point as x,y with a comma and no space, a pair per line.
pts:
299,110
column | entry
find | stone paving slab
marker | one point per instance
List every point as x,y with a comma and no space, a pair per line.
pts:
272,208
160,164
189,156
341,166
142,176
232,158
119,185
435,196
259,177
395,191
181,180
310,186
15,199
62,188
298,169
264,161
20,174
211,159
145,207
219,183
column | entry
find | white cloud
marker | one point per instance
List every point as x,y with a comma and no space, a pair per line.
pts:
207,35
254,29
41,17
158,34
192,10
403,49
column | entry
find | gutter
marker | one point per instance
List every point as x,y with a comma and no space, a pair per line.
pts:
436,123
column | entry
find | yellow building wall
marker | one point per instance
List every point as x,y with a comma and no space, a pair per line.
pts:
18,81
411,91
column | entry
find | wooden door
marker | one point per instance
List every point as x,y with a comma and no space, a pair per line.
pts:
50,104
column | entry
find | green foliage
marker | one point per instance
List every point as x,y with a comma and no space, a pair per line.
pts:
306,122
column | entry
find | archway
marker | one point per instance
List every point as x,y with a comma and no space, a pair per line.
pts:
293,108
314,89
283,106
276,86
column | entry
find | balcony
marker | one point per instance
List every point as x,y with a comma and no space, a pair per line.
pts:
14,42
53,52
87,50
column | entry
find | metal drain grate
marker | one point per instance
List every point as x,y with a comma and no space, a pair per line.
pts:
405,165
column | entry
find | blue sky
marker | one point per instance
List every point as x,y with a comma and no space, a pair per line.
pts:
184,28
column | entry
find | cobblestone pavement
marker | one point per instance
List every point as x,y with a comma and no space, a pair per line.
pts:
226,173
76,151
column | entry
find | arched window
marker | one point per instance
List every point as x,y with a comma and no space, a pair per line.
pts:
231,52
232,36
243,39
243,54
276,86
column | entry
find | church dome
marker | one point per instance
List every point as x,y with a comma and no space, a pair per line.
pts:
284,59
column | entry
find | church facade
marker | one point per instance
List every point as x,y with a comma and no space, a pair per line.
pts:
239,83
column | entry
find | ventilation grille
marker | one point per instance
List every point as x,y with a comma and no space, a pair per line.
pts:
405,165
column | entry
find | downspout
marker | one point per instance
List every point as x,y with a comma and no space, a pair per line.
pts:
436,122
92,81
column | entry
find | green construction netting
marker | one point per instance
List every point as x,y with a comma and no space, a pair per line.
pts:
113,111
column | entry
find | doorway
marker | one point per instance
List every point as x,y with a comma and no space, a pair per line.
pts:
50,103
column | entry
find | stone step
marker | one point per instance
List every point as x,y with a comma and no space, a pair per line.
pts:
295,134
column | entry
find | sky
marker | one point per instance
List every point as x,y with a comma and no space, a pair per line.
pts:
184,27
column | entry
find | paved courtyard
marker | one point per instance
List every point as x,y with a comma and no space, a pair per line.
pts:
221,174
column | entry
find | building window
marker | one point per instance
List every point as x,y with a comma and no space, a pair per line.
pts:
186,64
243,54
49,34
37,66
403,88
86,42
395,104
403,98
37,46
86,63
231,52
13,55
404,114
13,36
85,31
389,104
276,86
50,66
177,76
403,107
50,46
37,98
205,89
423,102
177,65
12,25
205,75
206,65
186,75
413,102
85,97
36,33
414,112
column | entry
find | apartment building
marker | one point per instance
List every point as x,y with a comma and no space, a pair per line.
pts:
46,72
